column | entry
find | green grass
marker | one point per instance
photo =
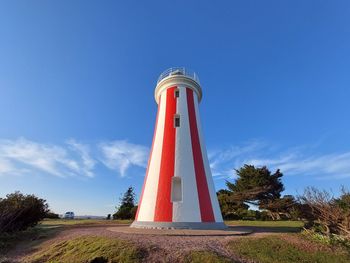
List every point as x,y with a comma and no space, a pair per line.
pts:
204,257
265,223
88,249
270,226
67,222
273,249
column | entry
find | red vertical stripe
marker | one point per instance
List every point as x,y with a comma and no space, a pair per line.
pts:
164,207
207,214
149,161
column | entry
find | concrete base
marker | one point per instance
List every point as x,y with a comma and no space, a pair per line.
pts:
179,225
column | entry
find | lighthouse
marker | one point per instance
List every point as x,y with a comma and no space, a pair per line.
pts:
178,190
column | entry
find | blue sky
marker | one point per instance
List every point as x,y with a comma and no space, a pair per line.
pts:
76,92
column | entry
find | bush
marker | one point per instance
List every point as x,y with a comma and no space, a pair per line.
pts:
331,239
328,214
18,212
123,213
52,215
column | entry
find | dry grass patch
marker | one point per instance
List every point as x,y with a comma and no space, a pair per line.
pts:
88,249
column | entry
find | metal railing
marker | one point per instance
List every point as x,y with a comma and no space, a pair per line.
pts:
178,71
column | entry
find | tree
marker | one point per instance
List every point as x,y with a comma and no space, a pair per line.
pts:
126,208
230,208
19,211
256,185
286,207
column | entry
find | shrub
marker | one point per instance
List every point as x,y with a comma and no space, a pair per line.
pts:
328,214
123,213
52,215
331,239
19,211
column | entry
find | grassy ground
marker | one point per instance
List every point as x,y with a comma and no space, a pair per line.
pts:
272,226
253,223
281,247
46,229
287,249
64,222
32,236
88,249
205,257
265,223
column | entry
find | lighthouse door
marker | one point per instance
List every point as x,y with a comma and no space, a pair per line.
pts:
176,189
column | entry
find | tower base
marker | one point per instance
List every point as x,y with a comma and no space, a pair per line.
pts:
179,225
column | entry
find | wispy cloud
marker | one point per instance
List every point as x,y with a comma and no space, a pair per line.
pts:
83,151
294,161
21,155
72,158
224,161
6,167
121,155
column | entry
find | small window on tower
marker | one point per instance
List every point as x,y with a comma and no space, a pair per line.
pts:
176,189
176,120
177,93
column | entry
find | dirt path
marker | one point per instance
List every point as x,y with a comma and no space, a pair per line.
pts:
158,248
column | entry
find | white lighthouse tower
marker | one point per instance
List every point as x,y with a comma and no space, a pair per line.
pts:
178,190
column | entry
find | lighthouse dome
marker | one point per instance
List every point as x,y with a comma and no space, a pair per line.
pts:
177,76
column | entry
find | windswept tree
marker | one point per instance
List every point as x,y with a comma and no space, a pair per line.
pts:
127,208
256,185
230,208
286,207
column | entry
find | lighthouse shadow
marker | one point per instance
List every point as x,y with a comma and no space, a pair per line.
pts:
229,231
266,229
232,231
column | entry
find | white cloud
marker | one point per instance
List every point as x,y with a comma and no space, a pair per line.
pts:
224,161
84,152
6,167
293,161
121,155
20,154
